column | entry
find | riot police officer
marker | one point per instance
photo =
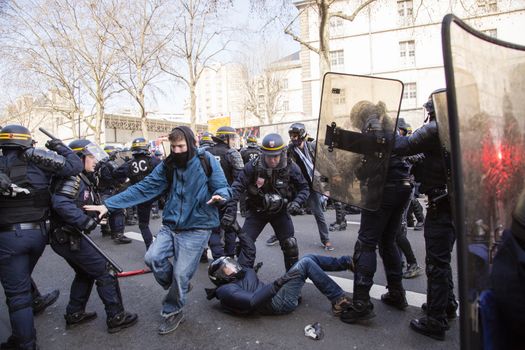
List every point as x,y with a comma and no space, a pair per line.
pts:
25,203
140,166
69,219
302,152
206,140
252,149
108,181
268,182
225,151
378,228
248,153
439,231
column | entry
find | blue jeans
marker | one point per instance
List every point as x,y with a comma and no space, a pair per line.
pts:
314,203
313,267
185,247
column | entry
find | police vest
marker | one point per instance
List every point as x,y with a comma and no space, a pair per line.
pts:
220,151
139,167
32,207
275,181
249,154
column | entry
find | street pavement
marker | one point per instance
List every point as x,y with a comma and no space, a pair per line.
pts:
207,327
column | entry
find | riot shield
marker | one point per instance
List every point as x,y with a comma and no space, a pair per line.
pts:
486,99
357,122
441,109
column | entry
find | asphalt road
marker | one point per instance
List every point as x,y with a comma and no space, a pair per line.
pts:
207,327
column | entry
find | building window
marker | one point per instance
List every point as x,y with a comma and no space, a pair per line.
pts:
336,26
339,98
488,5
286,106
284,84
337,58
491,32
407,52
405,8
409,93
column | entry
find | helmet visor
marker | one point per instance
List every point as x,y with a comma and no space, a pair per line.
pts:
96,151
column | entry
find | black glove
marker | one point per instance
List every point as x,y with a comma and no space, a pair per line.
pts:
90,226
229,215
57,146
290,275
5,182
293,208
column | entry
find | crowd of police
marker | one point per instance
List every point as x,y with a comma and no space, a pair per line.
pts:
53,196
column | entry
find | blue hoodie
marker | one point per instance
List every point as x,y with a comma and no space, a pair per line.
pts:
186,207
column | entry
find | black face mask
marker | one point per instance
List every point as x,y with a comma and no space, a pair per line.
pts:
297,142
180,159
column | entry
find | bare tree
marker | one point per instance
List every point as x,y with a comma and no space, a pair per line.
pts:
36,61
289,12
199,38
140,32
263,84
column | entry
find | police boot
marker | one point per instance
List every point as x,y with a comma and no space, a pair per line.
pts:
41,302
430,327
119,238
10,344
78,318
360,310
451,309
121,321
395,297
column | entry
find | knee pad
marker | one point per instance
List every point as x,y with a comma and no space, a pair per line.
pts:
143,225
106,280
290,247
435,270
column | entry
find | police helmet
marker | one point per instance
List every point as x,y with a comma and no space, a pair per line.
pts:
84,148
217,274
224,133
429,105
273,145
299,129
251,139
206,138
139,145
15,136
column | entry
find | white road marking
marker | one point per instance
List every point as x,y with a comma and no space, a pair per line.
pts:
347,284
413,298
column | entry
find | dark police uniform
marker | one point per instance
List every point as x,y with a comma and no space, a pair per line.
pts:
379,228
439,230
248,154
108,180
140,166
71,194
269,192
23,234
231,164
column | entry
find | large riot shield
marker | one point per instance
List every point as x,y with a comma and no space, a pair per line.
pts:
486,99
441,109
357,123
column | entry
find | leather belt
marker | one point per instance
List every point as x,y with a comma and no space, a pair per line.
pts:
21,226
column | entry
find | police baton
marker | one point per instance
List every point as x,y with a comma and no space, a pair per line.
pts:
48,134
114,266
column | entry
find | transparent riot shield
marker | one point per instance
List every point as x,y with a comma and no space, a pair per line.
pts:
486,99
441,108
357,123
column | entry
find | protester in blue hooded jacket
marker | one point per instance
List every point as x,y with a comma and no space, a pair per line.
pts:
193,181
